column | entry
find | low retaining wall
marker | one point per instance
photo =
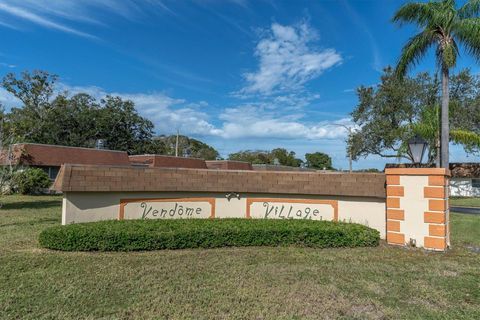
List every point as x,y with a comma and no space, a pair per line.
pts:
389,203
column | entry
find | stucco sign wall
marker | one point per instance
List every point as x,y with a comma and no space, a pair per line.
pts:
165,208
407,206
274,208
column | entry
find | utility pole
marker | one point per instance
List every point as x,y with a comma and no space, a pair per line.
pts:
176,144
350,131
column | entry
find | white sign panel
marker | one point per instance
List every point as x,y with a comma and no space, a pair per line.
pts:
292,209
185,208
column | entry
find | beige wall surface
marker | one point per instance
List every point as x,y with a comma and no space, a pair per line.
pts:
95,206
414,205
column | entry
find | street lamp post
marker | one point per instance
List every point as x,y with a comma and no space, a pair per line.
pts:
417,147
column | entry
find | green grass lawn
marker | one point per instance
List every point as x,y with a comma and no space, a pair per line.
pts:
465,202
231,283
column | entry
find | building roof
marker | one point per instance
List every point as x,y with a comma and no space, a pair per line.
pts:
33,154
276,167
162,161
228,165
457,169
80,178
465,170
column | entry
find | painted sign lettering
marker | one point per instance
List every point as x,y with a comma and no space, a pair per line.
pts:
274,208
176,208
177,211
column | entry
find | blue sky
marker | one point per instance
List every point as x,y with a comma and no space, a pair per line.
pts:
239,74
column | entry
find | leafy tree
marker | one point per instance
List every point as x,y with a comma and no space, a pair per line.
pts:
79,120
187,147
252,156
283,156
30,181
318,160
389,114
76,121
34,90
119,123
373,170
444,26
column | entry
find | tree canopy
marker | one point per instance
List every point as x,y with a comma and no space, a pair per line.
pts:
187,147
318,160
48,117
445,27
280,155
390,113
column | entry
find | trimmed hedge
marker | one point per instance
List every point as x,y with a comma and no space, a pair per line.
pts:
134,235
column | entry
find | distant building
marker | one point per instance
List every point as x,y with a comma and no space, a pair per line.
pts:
278,167
156,161
228,165
51,157
465,180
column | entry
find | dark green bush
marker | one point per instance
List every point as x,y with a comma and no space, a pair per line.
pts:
133,235
30,181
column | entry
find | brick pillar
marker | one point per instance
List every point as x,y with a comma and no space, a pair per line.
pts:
417,207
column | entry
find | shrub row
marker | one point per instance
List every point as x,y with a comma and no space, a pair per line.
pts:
23,180
133,235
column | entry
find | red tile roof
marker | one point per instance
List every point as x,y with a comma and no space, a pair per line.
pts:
50,155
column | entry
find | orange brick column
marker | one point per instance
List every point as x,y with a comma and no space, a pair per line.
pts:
394,214
417,207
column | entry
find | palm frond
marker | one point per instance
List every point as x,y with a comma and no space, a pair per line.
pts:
467,31
419,13
414,50
467,138
471,9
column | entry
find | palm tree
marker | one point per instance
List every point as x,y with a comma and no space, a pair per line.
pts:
443,26
427,127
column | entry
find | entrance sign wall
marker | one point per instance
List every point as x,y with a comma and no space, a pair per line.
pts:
403,205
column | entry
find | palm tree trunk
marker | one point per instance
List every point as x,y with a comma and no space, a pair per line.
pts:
445,131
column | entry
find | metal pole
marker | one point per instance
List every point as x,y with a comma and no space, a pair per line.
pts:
349,129
350,161
176,145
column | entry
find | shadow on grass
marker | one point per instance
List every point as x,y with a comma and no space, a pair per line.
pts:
32,223
30,205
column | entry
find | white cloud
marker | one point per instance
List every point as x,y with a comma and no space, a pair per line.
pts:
52,14
37,19
360,23
273,119
7,65
287,60
257,121
249,121
167,114
7,100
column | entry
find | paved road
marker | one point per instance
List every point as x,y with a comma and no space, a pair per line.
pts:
468,210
